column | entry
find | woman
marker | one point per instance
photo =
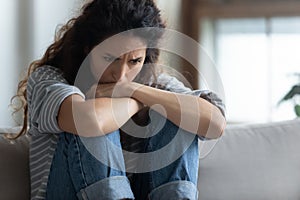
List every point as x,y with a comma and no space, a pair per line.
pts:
78,121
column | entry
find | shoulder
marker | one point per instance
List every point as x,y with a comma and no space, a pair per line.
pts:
45,73
45,79
171,83
169,80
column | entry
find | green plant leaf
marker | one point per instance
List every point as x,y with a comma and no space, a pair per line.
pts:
297,110
294,91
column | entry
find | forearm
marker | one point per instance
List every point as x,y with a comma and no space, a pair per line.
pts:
190,113
95,117
113,113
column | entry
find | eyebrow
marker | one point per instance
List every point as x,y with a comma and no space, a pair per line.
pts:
137,59
115,57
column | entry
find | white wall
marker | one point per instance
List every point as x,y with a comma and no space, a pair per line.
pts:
50,14
8,58
27,28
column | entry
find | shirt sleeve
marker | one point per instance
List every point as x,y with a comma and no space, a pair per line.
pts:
46,90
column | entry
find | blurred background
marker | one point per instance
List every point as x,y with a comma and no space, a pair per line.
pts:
254,46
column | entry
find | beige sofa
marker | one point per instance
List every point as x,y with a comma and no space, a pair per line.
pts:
14,169
258,161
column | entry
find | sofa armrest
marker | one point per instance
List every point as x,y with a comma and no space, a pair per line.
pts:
14,168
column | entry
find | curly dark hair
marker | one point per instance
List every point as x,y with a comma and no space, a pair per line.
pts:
98,20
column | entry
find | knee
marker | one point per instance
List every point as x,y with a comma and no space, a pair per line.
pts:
171,135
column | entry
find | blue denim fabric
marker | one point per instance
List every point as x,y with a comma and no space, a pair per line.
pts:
77,174
177,180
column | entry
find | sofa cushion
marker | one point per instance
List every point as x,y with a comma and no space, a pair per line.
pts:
258,161
14,169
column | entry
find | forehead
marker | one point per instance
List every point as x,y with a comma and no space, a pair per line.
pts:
121,44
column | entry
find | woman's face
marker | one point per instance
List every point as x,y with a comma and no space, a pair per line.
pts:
118,59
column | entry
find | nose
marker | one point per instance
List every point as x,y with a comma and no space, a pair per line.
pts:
120,71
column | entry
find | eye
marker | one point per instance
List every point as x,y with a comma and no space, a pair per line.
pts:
135,61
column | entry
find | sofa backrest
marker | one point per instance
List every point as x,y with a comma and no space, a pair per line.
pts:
14,169
260,161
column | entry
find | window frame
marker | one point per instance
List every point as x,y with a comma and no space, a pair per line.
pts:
195,10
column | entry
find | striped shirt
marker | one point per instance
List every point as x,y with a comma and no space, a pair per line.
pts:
46,90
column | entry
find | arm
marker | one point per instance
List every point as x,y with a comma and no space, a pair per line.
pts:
95,117
191,113
55,106
194,114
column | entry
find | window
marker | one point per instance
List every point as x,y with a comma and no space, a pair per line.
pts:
255,58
